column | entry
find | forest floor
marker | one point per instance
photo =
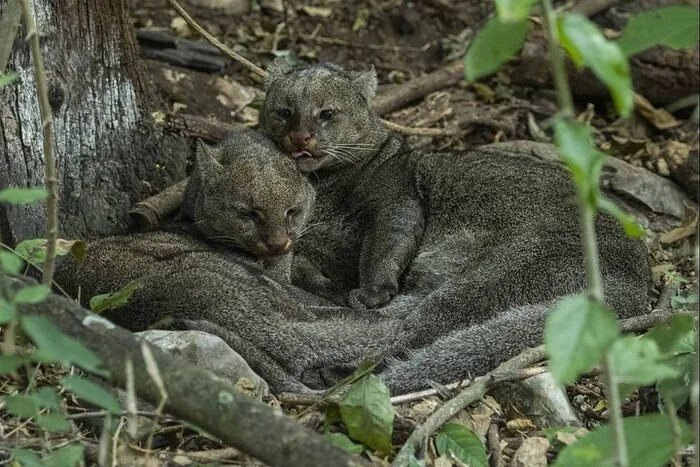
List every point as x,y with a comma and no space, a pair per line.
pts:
403,41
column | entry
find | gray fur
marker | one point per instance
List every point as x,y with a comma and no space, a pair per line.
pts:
244,194
468,237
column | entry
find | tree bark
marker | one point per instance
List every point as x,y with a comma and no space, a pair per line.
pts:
109,151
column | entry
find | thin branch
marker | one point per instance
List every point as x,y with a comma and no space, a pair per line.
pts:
215,42
47,129
473,393
494,444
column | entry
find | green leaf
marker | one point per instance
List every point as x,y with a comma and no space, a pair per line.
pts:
22,195
628,221
678,388
514,10
638,361
110,301
494,45
671,335
21,406
587,46
343,442
576,148
53,422
578,333
456,440
677,301
32,250
368,414
649,444
91,392
10,363
674,26
46,398
32,294
67,456
11,263
8,78
7,311
26,458
55,345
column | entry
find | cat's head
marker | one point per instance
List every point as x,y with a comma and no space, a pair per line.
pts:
320,115
247,194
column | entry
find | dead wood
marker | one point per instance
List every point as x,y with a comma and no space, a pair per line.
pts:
592,7
196,55
494,444
194,394
660,74
207,129
402,95
147,214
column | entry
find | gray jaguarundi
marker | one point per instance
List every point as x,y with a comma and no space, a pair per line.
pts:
477,241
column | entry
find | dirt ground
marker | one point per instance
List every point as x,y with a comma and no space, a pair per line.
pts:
402,40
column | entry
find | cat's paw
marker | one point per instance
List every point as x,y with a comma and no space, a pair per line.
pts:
369,297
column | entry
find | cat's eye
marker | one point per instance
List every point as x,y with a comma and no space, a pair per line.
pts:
293,212
249,214
326,114
284,113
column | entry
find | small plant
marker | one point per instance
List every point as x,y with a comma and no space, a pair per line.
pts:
581,331
42,405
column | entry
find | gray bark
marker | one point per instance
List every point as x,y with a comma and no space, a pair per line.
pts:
109,152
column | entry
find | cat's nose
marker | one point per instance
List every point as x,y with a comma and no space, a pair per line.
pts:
279,246
300,139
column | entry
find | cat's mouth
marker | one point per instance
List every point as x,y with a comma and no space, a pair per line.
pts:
306,161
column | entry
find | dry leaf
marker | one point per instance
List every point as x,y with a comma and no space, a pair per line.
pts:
360,20
484,92
679,233
158,117
660,118
600,406
317,11
181,28
520,424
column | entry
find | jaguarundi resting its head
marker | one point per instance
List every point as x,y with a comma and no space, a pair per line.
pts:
246,194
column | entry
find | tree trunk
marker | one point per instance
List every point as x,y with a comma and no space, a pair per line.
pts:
108,149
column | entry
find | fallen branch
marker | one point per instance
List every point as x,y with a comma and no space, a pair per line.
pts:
147,214
412,90
494,443
194,394
473,393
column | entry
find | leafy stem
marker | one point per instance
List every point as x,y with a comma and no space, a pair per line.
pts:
566,102
590,245
47,129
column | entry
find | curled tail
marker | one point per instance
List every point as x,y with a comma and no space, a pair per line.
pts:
469,352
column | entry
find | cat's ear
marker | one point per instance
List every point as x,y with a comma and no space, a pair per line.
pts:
206,162
277,69
366,82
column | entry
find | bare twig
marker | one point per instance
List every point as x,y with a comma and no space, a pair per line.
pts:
154,373
47,129
494,443
215,42
409,131
468,396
